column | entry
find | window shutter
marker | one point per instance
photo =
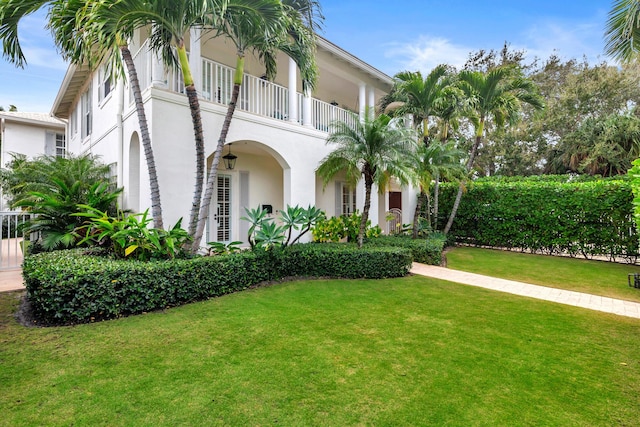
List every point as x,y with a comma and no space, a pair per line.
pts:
50,144
338,199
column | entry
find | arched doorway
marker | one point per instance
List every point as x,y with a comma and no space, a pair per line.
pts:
133,189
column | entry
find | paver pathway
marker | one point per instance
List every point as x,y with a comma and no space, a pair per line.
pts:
578,299
11,280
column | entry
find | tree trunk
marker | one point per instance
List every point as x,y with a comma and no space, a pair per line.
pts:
196,119
436,194
156,206
416,214
213,172
368,183
456,204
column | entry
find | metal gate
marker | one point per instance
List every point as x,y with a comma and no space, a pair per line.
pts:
394,221
12,244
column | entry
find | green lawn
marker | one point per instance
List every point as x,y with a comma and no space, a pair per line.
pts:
411,351
595,277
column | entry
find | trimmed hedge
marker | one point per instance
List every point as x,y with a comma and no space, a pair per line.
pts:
426,251
68,287
588,218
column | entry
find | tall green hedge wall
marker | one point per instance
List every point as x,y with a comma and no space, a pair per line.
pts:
548,216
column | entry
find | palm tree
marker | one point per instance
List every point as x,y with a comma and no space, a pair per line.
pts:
375,149
495,96
622,34
424,98
286,26
433,162
87,33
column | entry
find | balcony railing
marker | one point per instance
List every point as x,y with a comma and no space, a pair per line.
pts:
257,95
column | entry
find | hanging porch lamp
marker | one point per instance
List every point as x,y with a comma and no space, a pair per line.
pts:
229,159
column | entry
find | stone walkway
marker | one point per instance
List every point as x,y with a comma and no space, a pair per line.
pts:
577,299
11,280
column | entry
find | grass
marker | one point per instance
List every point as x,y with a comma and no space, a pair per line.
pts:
595,277
411,351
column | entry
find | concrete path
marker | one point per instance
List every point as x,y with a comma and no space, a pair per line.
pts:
577,299
11,280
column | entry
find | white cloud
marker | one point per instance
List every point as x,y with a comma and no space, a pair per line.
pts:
565,39
426,53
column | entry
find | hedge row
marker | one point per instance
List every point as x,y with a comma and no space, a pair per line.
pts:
68,287
426,251
588,218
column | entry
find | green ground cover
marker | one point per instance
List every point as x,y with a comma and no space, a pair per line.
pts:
595,277
410,351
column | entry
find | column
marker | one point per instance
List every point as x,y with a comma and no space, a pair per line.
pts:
372,102
195,57
293,91
362,99
306,109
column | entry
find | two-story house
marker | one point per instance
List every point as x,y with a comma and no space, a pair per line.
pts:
278,133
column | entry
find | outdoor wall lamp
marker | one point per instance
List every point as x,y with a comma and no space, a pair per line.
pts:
229,159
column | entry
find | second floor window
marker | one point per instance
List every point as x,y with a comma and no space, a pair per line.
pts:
85,113
105,84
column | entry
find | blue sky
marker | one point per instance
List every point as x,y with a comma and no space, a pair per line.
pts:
414,36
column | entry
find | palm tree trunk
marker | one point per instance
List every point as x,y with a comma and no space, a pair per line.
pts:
368,183
456,204
436,195
416,214
213,172
196,118
156,206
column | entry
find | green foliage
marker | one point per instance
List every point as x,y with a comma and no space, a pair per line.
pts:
337,228
74,287
424,250
222,248
634,173
588,218
51,188
130,236
264,232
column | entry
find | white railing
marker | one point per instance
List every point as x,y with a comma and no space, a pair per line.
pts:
11,244
257,95
324,114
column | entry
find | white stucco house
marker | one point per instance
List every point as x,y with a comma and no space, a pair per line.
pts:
278,133
31,134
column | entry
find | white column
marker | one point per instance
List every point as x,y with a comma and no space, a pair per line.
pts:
293,91
158,78
360,195
372,102
195,57
300,188
375,203
362,99
306,108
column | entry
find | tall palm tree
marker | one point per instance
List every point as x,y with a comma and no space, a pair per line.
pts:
424,97
433,162
86,37
375,149
286,26
495,96
622,33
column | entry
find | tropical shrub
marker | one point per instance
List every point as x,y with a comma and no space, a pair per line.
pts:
588,218
130,236
266,233
337,228
51,188
66,287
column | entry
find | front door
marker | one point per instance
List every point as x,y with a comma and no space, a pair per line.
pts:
222,222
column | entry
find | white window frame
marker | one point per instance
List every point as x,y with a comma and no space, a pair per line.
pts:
86,113
60,145
105,85
348,199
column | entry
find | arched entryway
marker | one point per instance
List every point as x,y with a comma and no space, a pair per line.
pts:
133,187
257,180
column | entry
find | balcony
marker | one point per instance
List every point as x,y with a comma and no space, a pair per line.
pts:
257,95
